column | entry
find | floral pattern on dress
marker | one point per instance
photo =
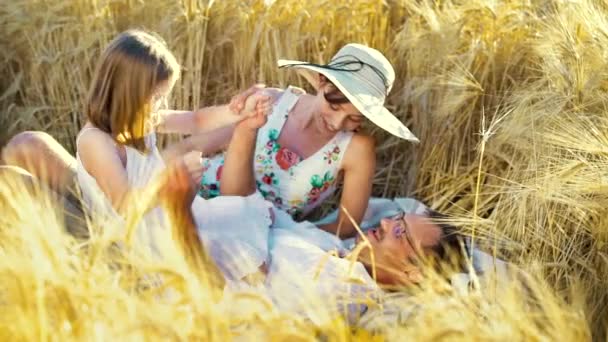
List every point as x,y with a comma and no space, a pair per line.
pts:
319,185
211,187
273,152
332,155
286,158
270,195
291,183
265,156
270,179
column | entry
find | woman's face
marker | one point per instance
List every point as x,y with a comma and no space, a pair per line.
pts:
332,117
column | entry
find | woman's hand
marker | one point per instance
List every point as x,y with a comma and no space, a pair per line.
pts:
256,110
253,105
237,174
237,103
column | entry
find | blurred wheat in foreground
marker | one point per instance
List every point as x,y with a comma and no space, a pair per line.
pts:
509,99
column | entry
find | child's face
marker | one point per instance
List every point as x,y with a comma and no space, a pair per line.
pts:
159,102
159,99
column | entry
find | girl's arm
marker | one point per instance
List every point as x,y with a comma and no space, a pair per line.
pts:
212,141
100,156
207,118
359,164
206,143
198,121
211,127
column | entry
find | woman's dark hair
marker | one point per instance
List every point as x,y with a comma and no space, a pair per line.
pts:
334,96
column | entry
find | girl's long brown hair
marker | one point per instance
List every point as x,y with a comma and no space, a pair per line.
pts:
130,71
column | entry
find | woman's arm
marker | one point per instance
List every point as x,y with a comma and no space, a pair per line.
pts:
359,164
237,174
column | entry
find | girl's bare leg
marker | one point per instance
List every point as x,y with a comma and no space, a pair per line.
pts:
41,155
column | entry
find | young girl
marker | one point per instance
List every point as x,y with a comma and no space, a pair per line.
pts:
117,157
311,142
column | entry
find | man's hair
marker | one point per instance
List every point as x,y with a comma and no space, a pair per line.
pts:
452,247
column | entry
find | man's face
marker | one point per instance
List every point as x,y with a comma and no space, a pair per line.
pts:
396,244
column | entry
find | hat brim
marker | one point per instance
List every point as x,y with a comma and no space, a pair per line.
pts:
368,105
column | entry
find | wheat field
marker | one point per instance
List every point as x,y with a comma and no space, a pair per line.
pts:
509,99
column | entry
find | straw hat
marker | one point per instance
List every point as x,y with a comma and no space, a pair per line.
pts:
365,77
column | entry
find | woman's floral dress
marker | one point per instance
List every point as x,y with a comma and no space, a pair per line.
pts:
282,177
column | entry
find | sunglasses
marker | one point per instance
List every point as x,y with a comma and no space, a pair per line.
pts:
402,231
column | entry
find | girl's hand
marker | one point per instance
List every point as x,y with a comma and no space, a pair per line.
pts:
177,188
192,160
237,103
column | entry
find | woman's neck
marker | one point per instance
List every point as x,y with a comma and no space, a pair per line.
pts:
304,110
309,116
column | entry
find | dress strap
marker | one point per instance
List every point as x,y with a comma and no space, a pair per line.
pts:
83,131
150,140
342,140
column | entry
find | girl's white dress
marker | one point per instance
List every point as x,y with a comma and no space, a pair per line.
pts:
234,230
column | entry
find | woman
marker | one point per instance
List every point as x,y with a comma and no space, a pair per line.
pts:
311,143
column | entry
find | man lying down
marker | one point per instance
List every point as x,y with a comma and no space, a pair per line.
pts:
308,270
305,265
308,265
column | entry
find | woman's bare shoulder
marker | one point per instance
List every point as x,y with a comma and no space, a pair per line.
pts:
361,149
362,143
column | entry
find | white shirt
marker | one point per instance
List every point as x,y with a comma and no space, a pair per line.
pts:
306,269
